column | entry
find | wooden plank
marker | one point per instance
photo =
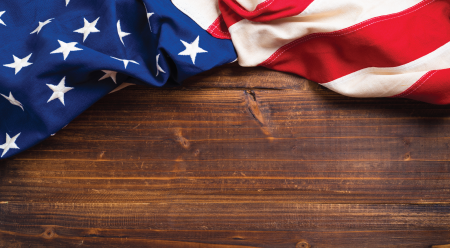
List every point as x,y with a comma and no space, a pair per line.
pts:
227,215
56,236
254,225
237,157
223,181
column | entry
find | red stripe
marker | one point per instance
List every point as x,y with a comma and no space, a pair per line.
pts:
268,10
229,15
434,88
219,29
386,41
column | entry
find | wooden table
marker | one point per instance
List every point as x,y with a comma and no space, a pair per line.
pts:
237,157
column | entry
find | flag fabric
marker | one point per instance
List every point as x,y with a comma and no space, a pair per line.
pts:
58,57
358,48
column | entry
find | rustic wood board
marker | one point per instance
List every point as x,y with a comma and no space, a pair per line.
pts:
236,157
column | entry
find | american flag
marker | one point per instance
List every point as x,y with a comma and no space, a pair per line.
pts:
359,48
58,57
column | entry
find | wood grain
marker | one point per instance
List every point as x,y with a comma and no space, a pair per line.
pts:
235,157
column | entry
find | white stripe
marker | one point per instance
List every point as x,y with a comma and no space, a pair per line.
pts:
256,42
390,81
250,5
203,12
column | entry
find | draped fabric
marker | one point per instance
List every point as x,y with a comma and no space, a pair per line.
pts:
359,48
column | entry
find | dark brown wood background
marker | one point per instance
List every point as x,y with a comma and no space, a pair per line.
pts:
239,158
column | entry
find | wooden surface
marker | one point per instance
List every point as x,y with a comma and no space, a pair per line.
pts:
236,158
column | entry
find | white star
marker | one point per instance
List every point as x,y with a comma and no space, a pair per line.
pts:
88,28
126,61
41,25
67,2
192,49
158,68
66,48
59,90
1,13
121,34
9,144
109,74
19,63
12,100
148,17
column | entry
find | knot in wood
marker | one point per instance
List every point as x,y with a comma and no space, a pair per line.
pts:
407,156
49,233
302,244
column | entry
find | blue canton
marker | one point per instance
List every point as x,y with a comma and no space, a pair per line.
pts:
58,57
